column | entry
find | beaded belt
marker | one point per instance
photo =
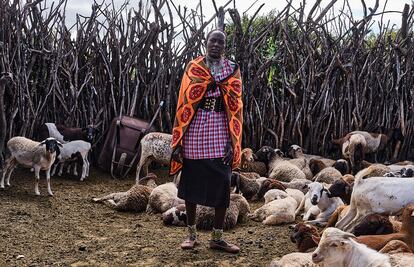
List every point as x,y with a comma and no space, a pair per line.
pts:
212,104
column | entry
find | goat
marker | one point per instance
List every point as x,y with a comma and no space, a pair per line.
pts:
338,249
382,195
31,154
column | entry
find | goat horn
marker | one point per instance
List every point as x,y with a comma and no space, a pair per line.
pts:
348,235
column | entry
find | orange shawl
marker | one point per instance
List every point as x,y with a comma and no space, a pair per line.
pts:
193,87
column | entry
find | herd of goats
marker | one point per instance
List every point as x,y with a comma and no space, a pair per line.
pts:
353,212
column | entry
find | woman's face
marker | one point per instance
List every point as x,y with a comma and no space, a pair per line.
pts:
216,43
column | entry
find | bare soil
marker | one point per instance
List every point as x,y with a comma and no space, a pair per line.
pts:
70,230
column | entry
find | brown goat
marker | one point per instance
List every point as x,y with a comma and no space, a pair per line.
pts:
302,236
406,234
340,188
374,224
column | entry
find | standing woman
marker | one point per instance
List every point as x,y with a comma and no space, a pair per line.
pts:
207,137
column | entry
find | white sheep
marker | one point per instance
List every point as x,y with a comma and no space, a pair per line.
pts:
295,259
163,197
278,211
154,147
338,249
31,154
279,168
69,152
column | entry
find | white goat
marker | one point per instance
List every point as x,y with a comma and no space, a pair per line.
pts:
382,195
338,249
70,152
318,196
31,154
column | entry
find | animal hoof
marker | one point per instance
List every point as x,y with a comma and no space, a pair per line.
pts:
51,194
37,193
95,199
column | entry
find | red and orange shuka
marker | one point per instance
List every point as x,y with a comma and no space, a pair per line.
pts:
193,87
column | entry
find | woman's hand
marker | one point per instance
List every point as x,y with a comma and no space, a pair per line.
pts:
228,157
177,154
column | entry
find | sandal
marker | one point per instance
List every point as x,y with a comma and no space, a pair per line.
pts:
189,243
224,246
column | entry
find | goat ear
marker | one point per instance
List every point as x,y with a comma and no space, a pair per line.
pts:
42,143
316,239
59,143
329,194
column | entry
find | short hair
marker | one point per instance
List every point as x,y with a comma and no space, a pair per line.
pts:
215,30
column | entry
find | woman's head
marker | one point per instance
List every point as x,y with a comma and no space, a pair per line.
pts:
216,42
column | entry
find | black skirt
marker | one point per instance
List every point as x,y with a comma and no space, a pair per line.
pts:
205,182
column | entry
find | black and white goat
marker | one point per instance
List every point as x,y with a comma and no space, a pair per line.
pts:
31,154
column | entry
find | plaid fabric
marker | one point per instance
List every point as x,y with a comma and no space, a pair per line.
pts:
208,133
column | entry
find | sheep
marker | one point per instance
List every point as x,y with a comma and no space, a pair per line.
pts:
395,246
279,168
316,165
406,233
156,147
237,210
375,170
302,236
267,185
342,166
65,134
247,156
299,184
163,197
135,199
381,195
281,210
402,259
338,249
249,187
342,189
274,194
319,197
249,164
77,148
296,152
296,194
31,154
327,175
296,259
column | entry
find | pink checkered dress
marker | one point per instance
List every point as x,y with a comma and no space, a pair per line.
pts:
208,133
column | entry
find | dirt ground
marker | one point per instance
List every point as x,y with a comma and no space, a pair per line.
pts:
70,230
